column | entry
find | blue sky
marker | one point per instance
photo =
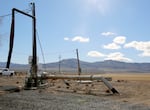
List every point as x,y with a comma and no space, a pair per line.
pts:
100,29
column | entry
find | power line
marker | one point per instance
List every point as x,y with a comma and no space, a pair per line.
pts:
60,52
41,47
6,15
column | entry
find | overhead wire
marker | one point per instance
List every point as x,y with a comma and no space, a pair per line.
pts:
61,52
27,11
41,49
6,15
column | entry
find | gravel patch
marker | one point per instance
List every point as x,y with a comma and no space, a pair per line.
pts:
41,100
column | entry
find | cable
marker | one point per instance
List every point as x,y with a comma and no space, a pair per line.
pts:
61,52
6,15
41,49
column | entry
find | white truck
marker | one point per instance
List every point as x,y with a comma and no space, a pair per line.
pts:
6,72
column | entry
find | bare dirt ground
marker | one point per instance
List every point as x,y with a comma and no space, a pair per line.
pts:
134,94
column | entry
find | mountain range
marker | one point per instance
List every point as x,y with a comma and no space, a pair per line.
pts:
70,65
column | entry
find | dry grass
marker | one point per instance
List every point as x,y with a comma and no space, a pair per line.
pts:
130,76
134,88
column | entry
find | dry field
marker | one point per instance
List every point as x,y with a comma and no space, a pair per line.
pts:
130,76
136,87
134,94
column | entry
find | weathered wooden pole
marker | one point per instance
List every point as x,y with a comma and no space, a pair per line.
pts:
59,63
78,61
12,33
11,42
34,48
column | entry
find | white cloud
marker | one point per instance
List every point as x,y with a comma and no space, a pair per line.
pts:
80,39
66,38
108,33
77,39
112,46
145,54
140,46
115,45
119,40
117,56
95,54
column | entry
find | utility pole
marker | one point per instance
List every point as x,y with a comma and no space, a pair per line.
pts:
32,80
11,42
34,49
59,63
78,61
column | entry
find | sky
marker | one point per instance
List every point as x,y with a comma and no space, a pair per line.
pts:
100,29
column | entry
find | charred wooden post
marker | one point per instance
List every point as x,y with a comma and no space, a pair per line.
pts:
11,42
34,49
12,32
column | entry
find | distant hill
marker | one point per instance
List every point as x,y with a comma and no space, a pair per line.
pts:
103,66
15,66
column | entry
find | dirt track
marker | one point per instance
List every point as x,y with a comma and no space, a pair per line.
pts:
134,96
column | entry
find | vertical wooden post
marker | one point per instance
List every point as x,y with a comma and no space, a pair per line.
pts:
59,63
11,42
79,68
34,60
